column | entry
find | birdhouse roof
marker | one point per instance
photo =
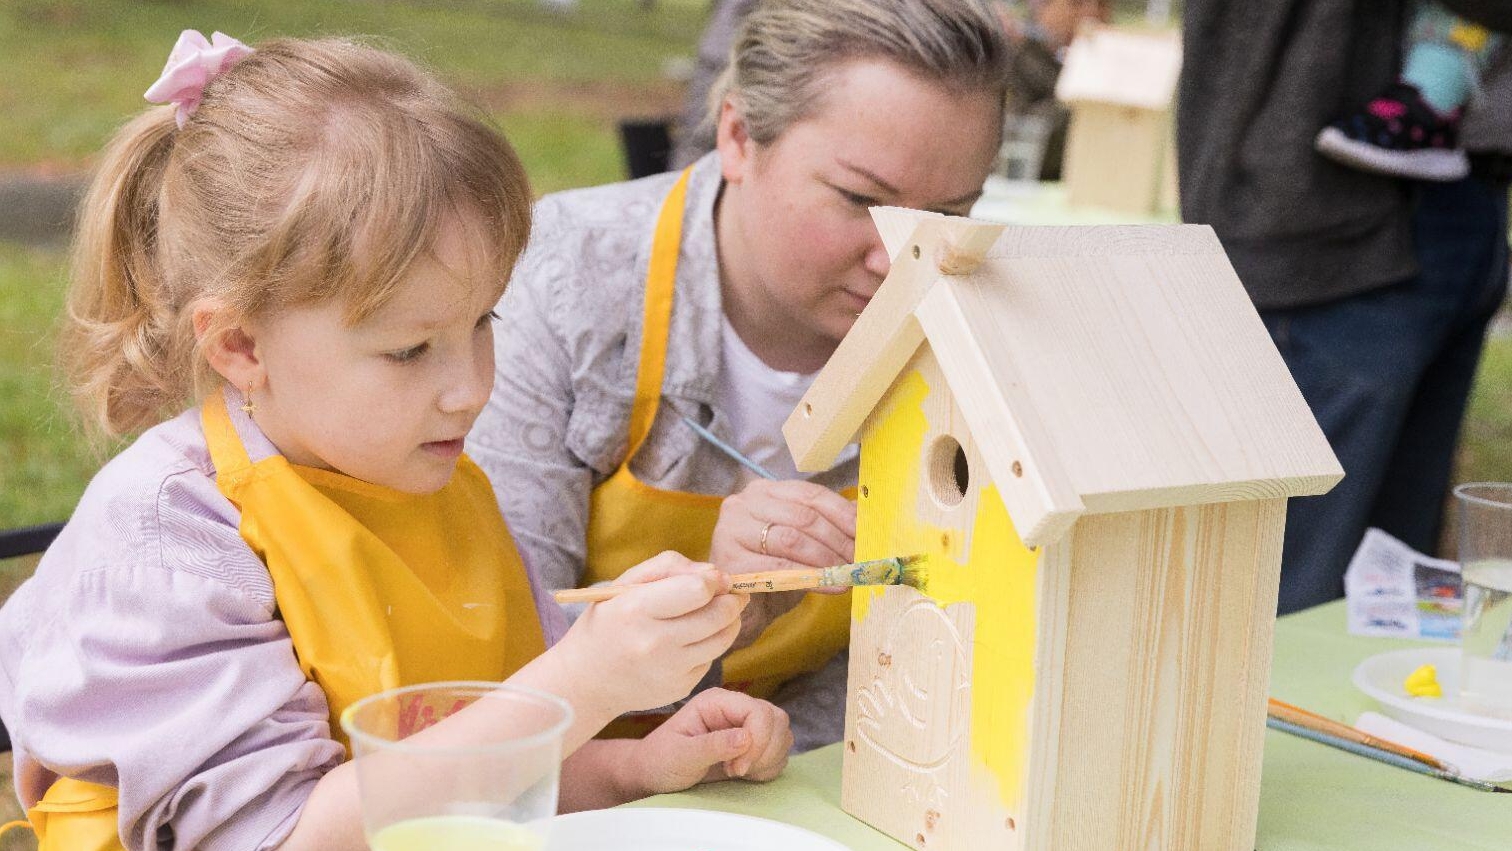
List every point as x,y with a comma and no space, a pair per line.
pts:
1099,369
1137,68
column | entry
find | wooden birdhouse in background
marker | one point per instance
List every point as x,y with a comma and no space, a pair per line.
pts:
1090,434
1121,85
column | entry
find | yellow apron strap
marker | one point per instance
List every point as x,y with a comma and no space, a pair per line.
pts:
226,451
630,521
661,281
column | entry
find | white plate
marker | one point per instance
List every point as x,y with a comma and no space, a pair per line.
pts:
1381,677
658,829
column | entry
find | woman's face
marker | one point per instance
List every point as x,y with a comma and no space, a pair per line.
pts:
810,257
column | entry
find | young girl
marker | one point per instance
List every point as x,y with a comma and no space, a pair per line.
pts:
312,235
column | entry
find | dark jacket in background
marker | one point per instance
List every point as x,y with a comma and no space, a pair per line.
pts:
1258,81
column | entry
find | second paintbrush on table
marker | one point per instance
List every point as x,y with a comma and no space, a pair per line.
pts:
903,570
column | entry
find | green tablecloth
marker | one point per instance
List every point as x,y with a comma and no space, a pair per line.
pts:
1311,796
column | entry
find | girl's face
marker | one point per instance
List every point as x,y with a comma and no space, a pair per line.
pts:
387,400
881,135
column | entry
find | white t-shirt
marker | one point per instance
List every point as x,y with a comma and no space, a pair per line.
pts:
758,400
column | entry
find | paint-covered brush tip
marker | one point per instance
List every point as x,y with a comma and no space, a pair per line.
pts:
914,571
899,570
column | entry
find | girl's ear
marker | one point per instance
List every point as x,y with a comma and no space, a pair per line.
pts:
230,349
733,141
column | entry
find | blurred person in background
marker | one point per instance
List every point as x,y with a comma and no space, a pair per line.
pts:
693,139
1039,41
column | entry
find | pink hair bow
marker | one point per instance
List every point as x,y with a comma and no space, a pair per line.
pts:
193,63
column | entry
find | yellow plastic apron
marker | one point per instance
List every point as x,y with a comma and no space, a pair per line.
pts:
378,589
630,521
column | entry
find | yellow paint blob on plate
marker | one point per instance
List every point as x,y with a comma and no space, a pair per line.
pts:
1423,682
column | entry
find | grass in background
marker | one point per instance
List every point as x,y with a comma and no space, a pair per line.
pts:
1485,452
555,81
44,461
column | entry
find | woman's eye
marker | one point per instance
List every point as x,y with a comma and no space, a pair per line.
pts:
858,200
487,318
409,354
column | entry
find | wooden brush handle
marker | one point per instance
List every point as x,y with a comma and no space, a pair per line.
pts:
1313,721
779,580
740,583
596,594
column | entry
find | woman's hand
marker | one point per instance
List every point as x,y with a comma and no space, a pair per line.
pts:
650,645
781,525
718,735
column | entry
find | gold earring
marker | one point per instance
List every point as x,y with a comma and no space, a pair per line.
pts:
248,406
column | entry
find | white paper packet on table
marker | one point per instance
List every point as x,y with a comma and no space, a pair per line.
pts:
1394,591
1479,763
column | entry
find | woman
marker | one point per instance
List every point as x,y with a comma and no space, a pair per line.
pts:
715,295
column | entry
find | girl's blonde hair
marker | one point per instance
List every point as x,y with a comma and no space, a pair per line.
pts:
785,50
312,170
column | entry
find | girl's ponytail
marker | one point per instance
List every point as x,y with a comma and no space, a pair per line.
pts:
119,342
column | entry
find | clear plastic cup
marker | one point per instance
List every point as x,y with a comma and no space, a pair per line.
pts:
1485,552
460,766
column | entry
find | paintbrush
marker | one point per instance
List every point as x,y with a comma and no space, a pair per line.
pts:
904,570
727,449
1379,755
1313,721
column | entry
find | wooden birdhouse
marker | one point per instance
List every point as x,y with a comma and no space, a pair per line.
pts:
1120,85
1089,433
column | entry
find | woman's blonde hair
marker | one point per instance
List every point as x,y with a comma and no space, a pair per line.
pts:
312,170
785,50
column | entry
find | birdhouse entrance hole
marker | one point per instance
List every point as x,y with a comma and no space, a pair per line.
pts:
949,475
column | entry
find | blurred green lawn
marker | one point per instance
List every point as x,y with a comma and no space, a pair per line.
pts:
555,82
74,69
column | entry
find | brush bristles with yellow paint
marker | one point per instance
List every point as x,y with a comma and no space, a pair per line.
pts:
902,570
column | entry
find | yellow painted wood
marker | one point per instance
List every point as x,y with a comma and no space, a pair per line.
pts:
1021,457
1106,691
942,681
1107,688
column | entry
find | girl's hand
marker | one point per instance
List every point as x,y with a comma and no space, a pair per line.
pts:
718,735
786,525
650,646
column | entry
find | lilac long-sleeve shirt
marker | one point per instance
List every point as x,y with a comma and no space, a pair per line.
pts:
147,654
